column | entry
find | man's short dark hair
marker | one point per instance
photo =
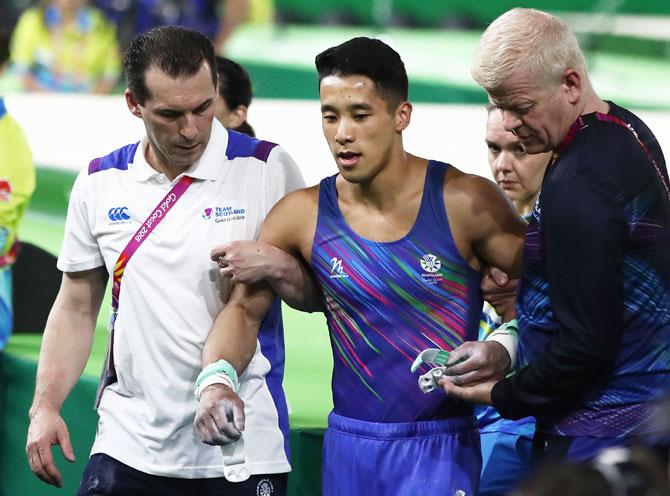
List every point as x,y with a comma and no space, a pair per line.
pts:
175,50
4,46
367,57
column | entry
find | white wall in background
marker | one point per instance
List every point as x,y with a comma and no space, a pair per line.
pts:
67,131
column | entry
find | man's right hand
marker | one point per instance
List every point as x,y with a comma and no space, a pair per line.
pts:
47,428
247,261
474,362
220,416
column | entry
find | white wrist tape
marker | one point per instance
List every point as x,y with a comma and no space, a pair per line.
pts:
218,378
508,336
219,372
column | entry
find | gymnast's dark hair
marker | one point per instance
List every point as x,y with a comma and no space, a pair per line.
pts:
367,57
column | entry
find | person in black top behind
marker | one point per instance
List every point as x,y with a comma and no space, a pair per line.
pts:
594,298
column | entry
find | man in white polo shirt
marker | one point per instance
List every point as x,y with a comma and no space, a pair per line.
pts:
148,215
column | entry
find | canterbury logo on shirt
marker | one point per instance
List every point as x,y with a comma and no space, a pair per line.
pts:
118,215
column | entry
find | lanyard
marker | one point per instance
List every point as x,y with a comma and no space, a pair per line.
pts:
147,227
584,120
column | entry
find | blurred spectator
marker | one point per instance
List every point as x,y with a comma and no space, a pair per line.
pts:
17,183
216,19
234,96
613,472
66,45
565,479
261,12
634,471
658,438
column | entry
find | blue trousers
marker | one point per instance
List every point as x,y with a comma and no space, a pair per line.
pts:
437,457
506,459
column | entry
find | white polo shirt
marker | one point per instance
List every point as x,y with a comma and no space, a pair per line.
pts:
170,295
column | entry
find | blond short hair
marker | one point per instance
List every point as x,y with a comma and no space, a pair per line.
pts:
528,39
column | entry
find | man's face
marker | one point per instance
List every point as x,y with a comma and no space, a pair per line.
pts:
177,116
517,173
539,115
358,125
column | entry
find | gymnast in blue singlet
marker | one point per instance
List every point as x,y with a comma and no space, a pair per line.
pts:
395,244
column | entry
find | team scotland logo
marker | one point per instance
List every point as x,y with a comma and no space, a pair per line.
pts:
264,488
430,263
224,214
118,215
431,267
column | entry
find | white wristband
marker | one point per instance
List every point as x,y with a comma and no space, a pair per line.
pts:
218,378
508,337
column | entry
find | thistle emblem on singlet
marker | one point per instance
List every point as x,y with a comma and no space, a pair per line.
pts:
431,268
430,263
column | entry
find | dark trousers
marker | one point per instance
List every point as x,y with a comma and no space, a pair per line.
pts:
105,476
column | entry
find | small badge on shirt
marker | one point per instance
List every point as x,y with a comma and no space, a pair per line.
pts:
431,266
224,214
118,215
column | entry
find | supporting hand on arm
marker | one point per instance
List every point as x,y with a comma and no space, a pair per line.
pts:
249,262
500,291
